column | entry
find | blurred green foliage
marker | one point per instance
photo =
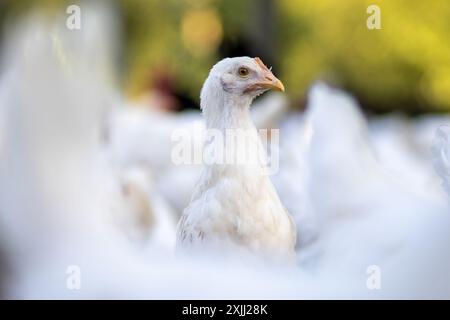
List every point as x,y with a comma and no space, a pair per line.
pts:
162,36
405,65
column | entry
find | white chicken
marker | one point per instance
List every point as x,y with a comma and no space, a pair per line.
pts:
235,205
366,215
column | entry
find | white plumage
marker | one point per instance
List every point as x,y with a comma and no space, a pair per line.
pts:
235,206
366,214
441,155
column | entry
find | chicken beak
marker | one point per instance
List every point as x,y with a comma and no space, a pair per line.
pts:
272,83
268,81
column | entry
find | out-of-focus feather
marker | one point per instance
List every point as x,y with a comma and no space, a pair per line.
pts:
441,155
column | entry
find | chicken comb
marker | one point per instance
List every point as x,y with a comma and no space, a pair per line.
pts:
261,64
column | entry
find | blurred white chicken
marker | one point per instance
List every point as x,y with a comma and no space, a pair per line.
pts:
366,216
399,152
61,202
441,155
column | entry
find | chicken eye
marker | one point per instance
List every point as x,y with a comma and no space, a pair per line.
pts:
243,72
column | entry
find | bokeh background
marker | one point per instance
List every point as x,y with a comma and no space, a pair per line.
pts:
172,44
